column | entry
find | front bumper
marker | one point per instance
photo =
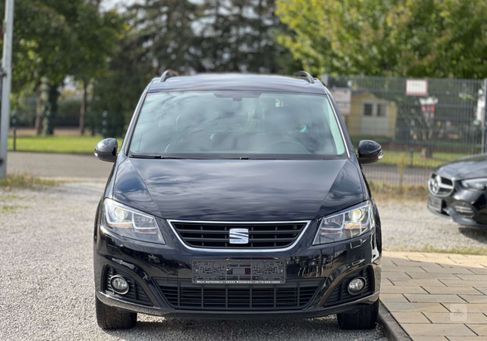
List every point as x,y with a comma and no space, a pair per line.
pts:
325,270
464,206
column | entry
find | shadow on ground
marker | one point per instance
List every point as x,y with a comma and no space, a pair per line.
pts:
287,329
478,234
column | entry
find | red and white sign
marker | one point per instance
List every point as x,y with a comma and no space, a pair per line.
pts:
416,87
428,107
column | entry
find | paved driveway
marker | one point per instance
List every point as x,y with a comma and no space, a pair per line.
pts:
87,166
58,165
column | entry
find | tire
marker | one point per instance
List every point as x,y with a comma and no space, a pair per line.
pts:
363,318
114,318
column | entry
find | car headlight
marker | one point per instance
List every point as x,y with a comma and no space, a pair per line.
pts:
479,184
347,224
131,223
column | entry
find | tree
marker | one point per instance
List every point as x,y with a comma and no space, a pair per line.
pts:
42,49
165,33
54,39
430,38
187,36
117,90
96,37
239,35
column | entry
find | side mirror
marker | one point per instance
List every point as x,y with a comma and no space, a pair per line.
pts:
369,151
106,150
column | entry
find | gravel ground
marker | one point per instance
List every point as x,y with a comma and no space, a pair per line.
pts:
409,225
46,280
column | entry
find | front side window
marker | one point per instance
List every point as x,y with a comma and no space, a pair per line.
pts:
237,124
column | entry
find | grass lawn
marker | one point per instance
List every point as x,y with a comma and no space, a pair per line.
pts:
86,145
56,144
392,157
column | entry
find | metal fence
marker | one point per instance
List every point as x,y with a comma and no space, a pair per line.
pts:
421,123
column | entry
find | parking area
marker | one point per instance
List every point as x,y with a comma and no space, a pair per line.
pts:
46,279
46,285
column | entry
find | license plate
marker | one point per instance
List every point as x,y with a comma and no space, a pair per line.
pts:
435,203
252,271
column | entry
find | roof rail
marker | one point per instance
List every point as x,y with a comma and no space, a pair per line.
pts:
168,74
305,75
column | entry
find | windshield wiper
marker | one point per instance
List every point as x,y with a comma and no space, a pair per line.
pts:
153,156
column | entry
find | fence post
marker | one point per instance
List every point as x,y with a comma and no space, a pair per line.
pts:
14,126
484,117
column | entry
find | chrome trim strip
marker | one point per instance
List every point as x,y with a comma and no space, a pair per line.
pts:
170,221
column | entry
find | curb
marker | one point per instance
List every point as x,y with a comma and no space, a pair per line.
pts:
392,328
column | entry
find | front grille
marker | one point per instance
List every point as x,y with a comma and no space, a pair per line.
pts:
341,295
136,294
243,298
260,235
440,186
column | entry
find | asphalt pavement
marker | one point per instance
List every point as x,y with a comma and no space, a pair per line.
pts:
87,166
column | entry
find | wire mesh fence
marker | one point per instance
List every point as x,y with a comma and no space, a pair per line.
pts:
421,123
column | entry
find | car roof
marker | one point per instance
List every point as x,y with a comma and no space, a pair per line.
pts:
234,81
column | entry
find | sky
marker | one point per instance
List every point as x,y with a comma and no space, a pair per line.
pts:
110,4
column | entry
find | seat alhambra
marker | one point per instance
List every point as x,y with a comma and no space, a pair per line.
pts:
237,196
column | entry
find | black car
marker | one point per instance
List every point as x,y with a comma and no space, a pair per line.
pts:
459,190
237,196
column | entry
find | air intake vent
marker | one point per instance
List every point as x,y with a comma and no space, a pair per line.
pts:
194,297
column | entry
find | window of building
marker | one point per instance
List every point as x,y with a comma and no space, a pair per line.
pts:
368,109
375,109
381,110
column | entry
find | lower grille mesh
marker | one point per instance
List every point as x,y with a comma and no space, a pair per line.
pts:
194,297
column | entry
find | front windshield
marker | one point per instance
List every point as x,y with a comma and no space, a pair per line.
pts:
242,124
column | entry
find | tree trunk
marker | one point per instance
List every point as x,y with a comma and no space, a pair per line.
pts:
41,105
52,111
83,108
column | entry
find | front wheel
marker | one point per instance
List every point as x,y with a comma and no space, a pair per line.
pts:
114,318
364,317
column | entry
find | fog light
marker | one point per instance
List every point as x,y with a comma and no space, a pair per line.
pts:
356,285
119,284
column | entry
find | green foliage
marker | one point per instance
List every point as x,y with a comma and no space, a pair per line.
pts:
187,36
236,35
54,39
430,38
57,144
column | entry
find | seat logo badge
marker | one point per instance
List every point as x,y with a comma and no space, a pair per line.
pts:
239,236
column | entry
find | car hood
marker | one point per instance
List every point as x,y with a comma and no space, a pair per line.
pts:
467,168
238,190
